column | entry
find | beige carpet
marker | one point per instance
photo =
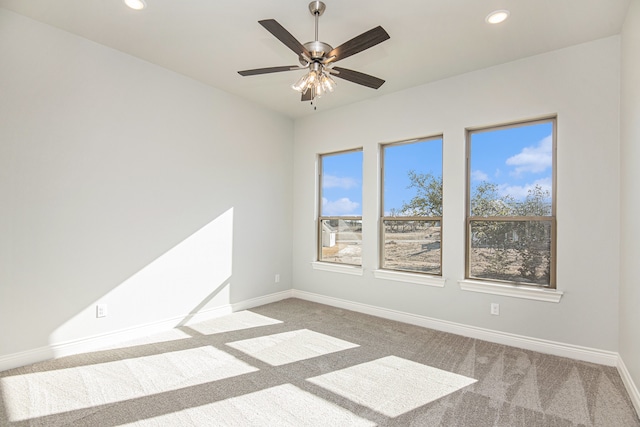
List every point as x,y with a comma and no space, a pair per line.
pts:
296,363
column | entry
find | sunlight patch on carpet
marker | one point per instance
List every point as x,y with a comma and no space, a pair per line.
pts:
233,322
283,405
289,347
391,385
69,389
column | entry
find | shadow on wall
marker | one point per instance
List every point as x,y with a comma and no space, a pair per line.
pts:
191,277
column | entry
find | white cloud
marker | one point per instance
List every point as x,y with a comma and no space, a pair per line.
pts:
478,175
533,159
520,192
342,206
332,181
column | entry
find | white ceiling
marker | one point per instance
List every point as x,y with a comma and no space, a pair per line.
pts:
210,40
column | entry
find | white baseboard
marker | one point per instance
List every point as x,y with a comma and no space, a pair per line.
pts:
632,389
27,357
267,299
96,342
602,357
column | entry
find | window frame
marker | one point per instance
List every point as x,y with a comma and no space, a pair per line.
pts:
552,219
321,218
383,218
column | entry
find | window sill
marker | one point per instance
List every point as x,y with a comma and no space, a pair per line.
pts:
526,292
337,268
416,278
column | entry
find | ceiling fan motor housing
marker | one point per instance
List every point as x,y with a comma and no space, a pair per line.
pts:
317,49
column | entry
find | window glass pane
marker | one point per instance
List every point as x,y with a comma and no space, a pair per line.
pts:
516,251
412,245
413,179
341,184
341,241
511,171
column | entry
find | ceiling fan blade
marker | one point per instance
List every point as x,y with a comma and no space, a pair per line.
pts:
359,43
268,70
284,36
306,96
358,77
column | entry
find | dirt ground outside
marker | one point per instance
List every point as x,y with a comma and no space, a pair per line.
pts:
421,251
418,251
410,251
345,251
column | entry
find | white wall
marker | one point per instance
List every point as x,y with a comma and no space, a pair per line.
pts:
581,85
127,184
630,194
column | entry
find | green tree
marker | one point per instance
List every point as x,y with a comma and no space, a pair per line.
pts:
502,245
534,237
486,202
427,200
528,240
537,203
494,236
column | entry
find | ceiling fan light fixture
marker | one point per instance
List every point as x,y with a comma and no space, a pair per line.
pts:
317,80
301,84
497,16
135,4
312,79
328,84
305,82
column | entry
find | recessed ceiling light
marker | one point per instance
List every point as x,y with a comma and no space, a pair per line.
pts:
135,4
497,16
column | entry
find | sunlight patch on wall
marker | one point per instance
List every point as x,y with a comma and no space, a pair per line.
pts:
191,276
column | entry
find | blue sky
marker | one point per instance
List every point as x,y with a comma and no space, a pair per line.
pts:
515,159
421,157
342,184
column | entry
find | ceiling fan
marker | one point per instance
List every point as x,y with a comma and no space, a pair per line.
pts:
319,58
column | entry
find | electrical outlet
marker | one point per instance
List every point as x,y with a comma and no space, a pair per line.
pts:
101,310
277,278
495,309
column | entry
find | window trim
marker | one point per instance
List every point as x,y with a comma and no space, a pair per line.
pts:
403,273
508,289
481,284
416,278
320,218
336,267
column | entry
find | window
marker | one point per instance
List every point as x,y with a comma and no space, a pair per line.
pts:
511,203
411,211
340,217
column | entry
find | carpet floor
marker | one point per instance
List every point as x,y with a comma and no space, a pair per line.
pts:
298,363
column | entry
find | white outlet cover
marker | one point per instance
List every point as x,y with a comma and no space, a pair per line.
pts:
495,309
101,310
